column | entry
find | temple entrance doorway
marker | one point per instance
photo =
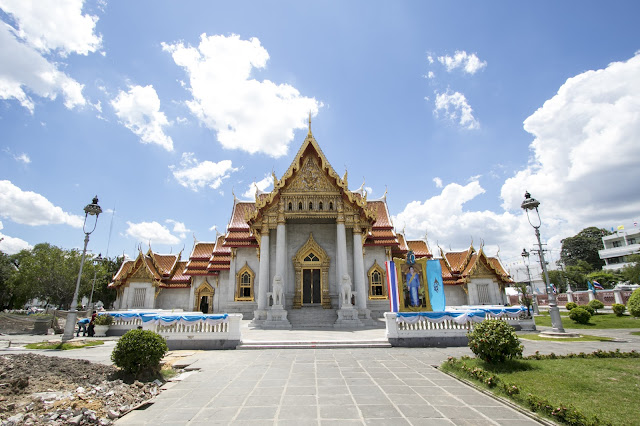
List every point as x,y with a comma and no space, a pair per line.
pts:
311,286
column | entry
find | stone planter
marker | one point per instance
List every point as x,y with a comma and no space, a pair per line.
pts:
100,330
41,325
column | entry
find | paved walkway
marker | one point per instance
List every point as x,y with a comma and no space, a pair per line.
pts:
329,386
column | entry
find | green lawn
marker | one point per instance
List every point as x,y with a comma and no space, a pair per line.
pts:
597,321
530,336
603,387
63,346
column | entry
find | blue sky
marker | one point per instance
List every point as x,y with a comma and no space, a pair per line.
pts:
165,109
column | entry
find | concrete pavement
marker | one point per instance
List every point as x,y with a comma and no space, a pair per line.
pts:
333,386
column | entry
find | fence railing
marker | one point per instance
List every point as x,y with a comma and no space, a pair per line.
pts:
608,297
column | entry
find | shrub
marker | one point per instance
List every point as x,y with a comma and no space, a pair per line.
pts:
104,319
494,341
618,309
588,309
580,315
569,306
633,305
596,304
139,351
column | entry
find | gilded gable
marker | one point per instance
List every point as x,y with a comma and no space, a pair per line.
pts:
310,178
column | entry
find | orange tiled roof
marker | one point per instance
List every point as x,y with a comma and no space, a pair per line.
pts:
382,214
459,267
240,209
166,270
202,250
420,248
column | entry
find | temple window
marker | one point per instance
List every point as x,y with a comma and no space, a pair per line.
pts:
377,287
300,205
310,206
245,278
320,205
330,205
290,206
311,258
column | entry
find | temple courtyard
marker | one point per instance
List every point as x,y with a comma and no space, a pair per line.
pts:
332,384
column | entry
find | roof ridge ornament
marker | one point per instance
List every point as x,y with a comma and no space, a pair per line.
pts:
309,135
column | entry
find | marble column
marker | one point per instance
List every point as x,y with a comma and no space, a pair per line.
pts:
232,273
263,277
341,253
358,269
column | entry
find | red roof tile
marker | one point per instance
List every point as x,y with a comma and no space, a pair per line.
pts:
202,250
419,247
382,214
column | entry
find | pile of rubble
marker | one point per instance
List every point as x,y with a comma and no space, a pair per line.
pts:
36,389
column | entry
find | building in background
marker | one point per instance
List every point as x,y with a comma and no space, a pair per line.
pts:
618,247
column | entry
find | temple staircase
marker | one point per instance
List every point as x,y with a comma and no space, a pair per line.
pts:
312,317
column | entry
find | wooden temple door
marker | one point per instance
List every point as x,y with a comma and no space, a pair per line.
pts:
311,286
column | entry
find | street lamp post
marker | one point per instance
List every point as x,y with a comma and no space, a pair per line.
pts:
96,262
532,204
92,209
534,299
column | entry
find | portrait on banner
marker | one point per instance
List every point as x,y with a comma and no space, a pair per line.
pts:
412,284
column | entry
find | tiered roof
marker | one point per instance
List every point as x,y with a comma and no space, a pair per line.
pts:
459,267
165,270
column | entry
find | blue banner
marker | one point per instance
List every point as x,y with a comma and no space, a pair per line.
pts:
436,287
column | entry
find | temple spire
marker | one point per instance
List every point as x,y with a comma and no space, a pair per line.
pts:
309,134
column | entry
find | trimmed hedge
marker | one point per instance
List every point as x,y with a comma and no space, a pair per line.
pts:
139,351
494,341
618,309
569,306
596,304
580,315
633,305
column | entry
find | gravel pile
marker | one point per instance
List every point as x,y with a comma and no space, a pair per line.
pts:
36,390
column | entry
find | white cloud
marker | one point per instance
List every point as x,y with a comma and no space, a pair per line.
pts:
11,245
195,175
179,228
262,185
430,59
455,107
584,168
446,221
247,114
54,25
23,70
29,208
470,63
151,232
139,110
23,158
431,75
438,182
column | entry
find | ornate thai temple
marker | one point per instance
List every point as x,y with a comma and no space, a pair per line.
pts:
309,252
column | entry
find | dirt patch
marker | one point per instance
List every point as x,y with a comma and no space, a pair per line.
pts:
37,389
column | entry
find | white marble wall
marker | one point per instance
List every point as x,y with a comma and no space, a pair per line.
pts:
174,298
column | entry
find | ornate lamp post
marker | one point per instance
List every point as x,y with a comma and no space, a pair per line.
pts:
92,209
96,262
534,299
532,204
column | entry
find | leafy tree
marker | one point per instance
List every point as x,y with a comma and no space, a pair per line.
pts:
525,296
575,276
584,246
631,273
49,273
106,270
608,279
7,270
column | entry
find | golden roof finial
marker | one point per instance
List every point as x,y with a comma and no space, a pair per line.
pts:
309,134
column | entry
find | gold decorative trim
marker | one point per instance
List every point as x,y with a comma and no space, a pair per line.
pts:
323,262
252,275
383,275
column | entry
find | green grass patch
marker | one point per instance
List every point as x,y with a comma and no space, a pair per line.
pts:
64,346
168,372
530,336
568,390
598,321
636,333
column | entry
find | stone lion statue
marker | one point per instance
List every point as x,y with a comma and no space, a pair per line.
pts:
345,291
278,291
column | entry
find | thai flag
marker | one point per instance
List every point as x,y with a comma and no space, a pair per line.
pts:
392,286
597,285
553,288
